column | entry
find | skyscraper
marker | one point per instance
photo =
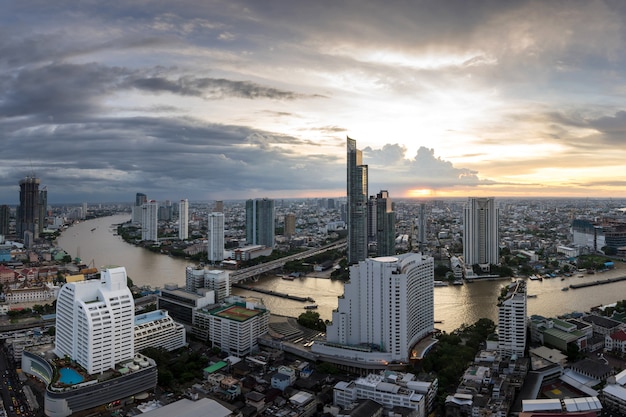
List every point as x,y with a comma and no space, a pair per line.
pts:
219,206
512,320
140,200
385,225
183,219
28,210
215,237
95,321
5,216
386,308
150,221
260,223
481,237
290,225
43,209
356,203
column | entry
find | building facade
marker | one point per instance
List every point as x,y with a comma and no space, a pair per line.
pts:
236,325
183,219
215,237
385,225
356,207
481,237
290,225
95,321
260,223
512,319
215,280
28,210
386,308
157,329
150,221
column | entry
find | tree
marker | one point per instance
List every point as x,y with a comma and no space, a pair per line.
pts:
312,320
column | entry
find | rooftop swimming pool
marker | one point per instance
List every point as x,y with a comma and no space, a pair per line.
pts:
69,376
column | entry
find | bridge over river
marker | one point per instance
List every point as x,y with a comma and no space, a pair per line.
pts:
254,271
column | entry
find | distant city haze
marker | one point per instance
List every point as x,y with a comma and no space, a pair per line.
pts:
454,305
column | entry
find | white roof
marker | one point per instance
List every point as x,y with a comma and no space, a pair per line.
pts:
189,408
553,404
621,377
582,404
615,391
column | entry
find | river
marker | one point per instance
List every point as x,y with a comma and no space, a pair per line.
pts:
94,240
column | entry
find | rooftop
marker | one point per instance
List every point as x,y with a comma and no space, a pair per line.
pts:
236,313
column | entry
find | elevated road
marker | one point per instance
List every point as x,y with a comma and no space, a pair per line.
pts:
253,271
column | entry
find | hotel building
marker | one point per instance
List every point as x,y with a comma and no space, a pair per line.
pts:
387,307
512,320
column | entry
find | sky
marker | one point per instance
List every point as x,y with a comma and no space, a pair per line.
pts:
219,100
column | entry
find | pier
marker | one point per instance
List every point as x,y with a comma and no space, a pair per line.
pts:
274,293
594,283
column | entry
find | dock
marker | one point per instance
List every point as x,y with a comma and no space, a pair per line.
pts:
274,293
600,282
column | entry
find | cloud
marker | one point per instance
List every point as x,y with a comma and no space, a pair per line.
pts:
211,88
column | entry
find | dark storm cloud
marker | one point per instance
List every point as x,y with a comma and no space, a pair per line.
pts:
211,88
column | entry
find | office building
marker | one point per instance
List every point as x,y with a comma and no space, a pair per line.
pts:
43,210
290,225
156,329
481,237
215,237
235,326
219,206
28,210
512,320
183,219
260,222
212,279
386,391
385,225
387,307
95,321
150,221
356,207
5,217
181,304
140,200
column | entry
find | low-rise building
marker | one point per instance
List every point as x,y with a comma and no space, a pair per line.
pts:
157,329
377,388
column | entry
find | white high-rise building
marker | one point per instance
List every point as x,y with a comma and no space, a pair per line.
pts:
512,320
95,321
481,236
183,219
215,237
212,279
150,221
387,307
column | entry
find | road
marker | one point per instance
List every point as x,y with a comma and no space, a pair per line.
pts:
245,273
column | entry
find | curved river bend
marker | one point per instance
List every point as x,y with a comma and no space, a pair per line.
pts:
95,241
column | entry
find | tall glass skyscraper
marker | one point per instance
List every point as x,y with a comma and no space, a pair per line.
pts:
385,225
28,210
356,204
260,223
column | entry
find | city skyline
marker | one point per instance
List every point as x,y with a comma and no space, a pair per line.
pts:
446,99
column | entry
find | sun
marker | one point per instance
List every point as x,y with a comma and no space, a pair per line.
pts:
421,192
